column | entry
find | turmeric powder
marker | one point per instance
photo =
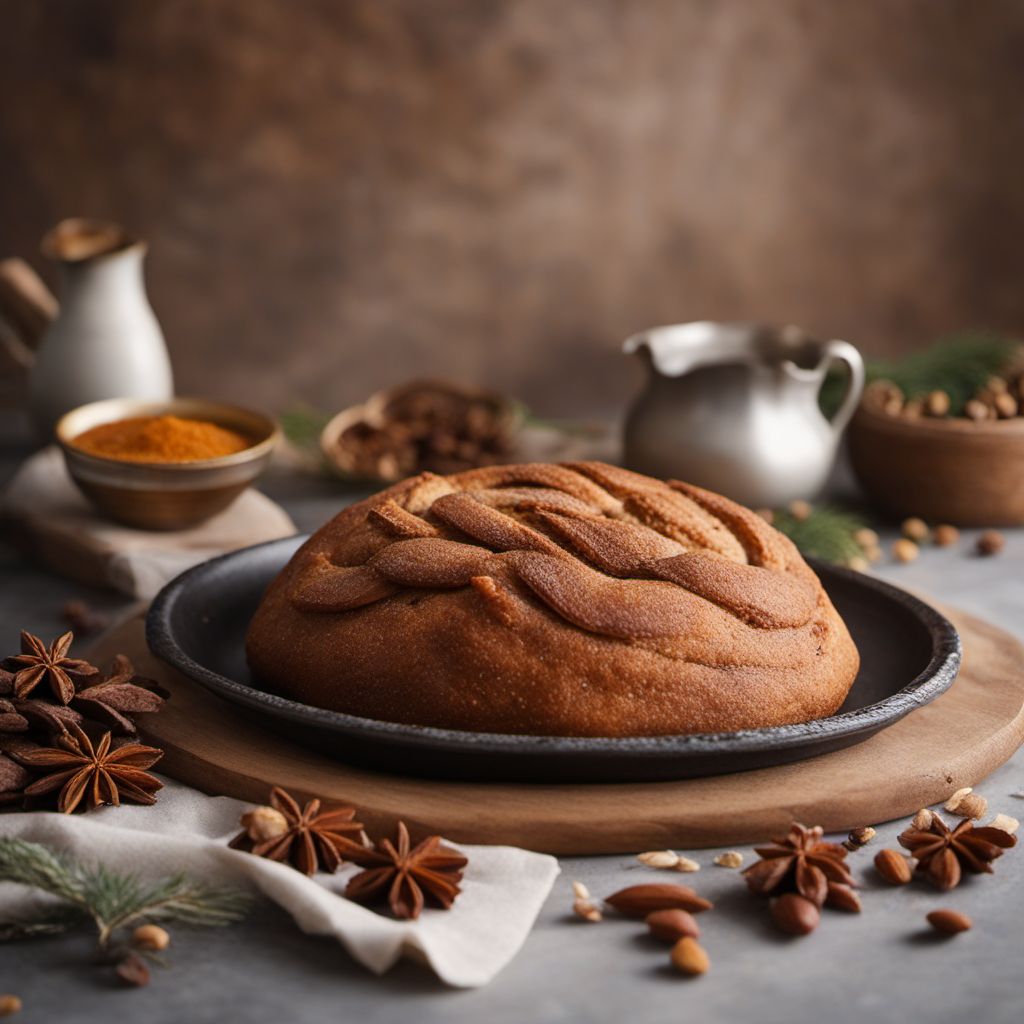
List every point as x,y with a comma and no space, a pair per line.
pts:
160,439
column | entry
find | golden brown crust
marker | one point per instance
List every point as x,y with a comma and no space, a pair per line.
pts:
573,600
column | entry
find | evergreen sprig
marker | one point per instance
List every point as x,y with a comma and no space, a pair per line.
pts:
112,900
827,533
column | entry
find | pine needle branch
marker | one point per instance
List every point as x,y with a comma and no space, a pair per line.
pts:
112,899
827,533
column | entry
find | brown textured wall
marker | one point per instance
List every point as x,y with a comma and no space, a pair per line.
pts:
344,194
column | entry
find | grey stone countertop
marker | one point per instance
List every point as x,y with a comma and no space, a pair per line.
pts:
882,965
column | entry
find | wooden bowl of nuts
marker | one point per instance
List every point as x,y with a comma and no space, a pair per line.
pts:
913,458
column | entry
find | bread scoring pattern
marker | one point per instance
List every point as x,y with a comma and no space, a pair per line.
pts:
611,552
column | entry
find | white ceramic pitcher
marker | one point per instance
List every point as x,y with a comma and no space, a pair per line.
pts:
105,341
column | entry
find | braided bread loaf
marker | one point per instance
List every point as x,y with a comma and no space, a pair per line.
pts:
569,600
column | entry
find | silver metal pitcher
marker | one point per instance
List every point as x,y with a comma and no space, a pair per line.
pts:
734,408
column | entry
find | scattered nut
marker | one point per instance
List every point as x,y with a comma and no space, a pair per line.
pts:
893,867
9,1005
949,922
965,803
937,403
659,858
842,897
672,925
586,910
977,411
991,542
729,859
795,915
132,970
1005,822
686,864
944,535
580,891
873,554
800,509
641,900
263,823
996,385
913,408
858,563
150,936
866,537
859,837
923,819
1006,406
904,550
689,956
916,529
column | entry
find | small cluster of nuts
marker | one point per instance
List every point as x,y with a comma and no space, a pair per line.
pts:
666,908
997,399
147,939
916,532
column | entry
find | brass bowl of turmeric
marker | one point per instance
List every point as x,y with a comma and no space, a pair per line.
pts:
164,465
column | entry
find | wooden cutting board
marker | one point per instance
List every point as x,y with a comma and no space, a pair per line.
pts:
955,741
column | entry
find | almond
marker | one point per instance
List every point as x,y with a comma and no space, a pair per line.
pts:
672,925
580,891
949,922
586,910
795,914
641,900
686,864
893,867
842,897
729,859
689,956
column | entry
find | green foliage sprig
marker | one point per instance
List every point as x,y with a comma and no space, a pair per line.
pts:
827,533
111,900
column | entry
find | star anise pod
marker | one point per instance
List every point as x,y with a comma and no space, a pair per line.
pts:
304,837
802,862
100,774
37,662
121,694
405,876
942,853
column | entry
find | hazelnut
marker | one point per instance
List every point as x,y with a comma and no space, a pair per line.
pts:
150,936
976,410
996,385
264,823
800,509
866,538
1006,406
916,529
904,550
991,542
9,1005
944,535
937,403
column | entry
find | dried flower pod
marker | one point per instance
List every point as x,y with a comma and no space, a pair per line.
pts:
949,922
945,535
795,915
991,542
672,925
893,866
689,957
904,550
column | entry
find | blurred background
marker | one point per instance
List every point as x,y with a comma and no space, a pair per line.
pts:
344,194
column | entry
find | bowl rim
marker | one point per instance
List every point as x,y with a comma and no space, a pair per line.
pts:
959,426
150,407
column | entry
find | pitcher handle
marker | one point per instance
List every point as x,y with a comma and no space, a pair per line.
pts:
843,352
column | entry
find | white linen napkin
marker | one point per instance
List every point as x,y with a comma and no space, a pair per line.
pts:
503,888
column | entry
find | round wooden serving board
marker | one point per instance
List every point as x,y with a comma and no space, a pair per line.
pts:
955,741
